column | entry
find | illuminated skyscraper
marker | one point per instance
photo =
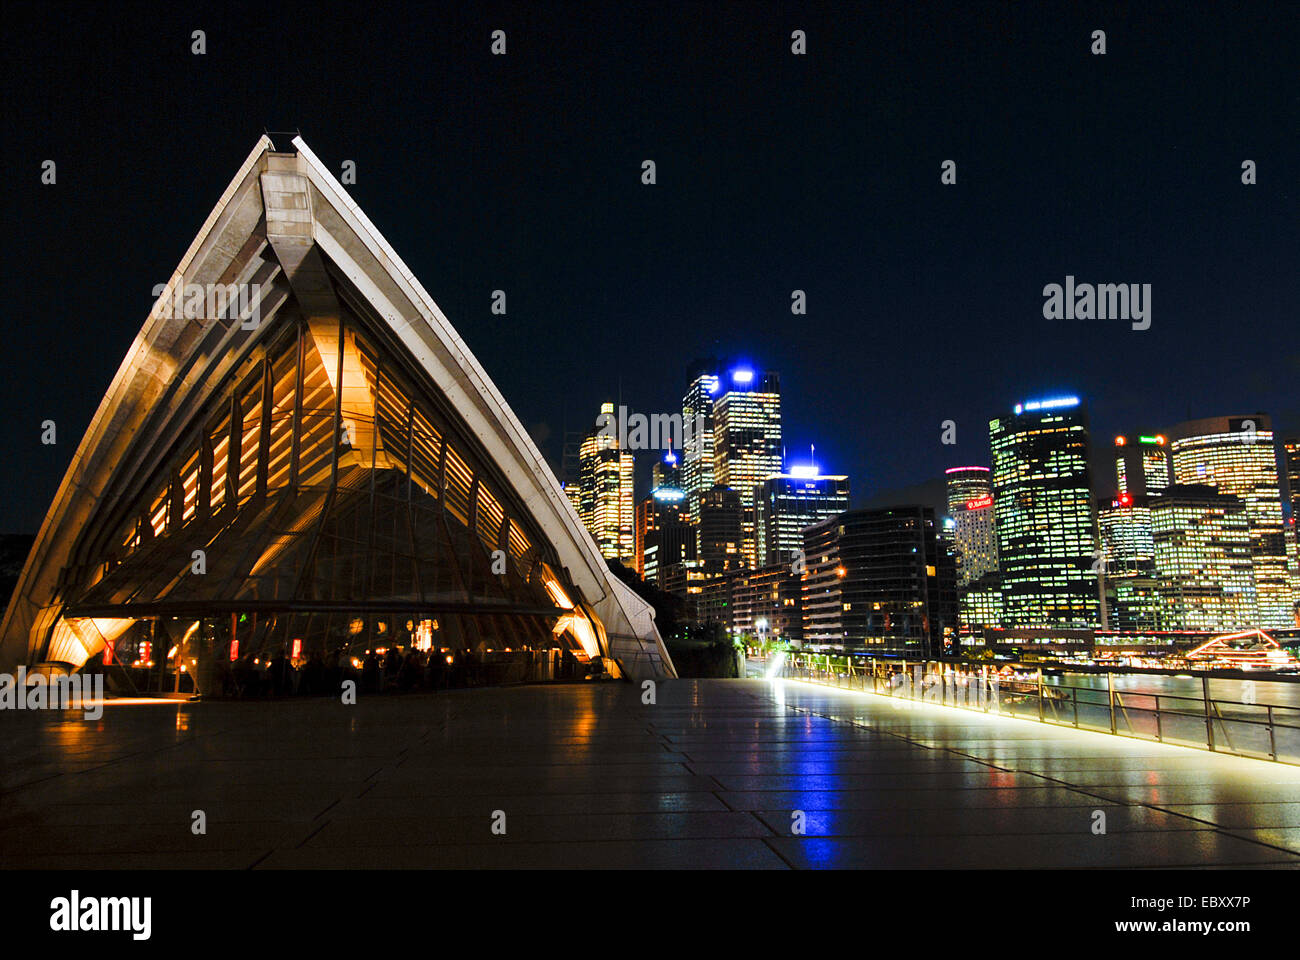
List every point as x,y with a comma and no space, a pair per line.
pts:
1125,526
1128,562
880,581
785,503
662,523
1203,553
667,472
606,492
720,531
966,484
697,429
1042,502
1291,454
573,490
980,603
747,441
664,536
970,504
1237,455
766,604
643,522
1142,464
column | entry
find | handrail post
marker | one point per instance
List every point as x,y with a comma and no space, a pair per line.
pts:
1110,695
1074,702
1159,733
1040,694
1209,720
1272,736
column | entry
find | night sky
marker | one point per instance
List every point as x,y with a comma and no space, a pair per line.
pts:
775,172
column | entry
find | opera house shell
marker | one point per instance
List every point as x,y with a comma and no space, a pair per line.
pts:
321,468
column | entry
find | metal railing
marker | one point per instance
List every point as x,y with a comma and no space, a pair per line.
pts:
1265,731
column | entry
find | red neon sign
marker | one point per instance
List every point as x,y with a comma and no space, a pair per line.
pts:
980,502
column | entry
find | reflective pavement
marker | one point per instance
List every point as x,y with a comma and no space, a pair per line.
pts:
717,773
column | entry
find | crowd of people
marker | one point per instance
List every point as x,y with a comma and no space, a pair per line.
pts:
393,671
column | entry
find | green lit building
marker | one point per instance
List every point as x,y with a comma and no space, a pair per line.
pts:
1043,512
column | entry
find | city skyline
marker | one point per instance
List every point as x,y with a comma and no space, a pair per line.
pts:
649,437
933,490
924,300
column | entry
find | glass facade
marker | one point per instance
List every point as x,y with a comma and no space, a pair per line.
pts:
1237,455
664,533
879,581
966,485
322,476
720,531
697,425
766,604
605,481
785,504
1203,558
1142,464
1126,538
747,442
981,604
326,506
1043,509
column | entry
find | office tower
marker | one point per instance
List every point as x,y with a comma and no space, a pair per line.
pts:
1127,563
664,533
667,472
1042,503
1133,603
966,484
720,531
766,604
747,441
713,605
606,495
879,581
1142,464
1204,559
823,608
571,468
697,430
1124,523
573,491
974,537
1237,455
785,503
643,522
685,579
1291,454
980,604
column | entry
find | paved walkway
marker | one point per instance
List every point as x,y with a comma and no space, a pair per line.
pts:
588,776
